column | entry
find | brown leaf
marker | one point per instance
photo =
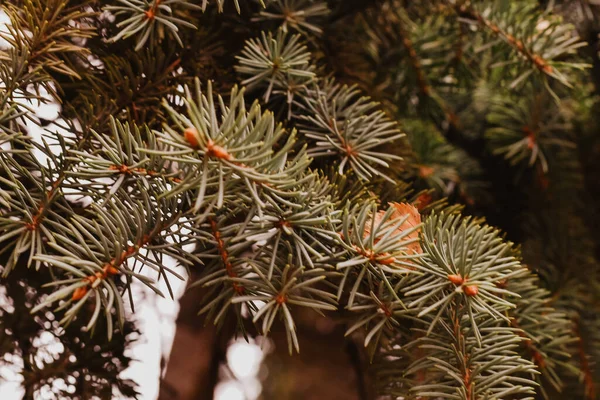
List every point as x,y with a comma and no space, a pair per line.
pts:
400,211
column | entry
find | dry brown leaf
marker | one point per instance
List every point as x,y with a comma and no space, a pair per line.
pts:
400,211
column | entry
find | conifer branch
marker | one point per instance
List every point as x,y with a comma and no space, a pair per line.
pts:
278,65
54,29
544,43
313,211
300,15
343,124
146,18
527,130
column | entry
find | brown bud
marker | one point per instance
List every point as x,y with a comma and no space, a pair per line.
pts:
456,279
79,293
191,136
425,171
111,270
281,298
471,290
386,261
214,150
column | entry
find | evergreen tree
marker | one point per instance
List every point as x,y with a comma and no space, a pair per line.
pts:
422,172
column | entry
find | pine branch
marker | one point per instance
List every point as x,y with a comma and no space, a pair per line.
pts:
304,16
241,143
464,263
541,40
54,29
278,65
547,332
161,169
341,123
91,250
526,130
146,19
441,165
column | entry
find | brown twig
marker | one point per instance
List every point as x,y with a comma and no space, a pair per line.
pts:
515,43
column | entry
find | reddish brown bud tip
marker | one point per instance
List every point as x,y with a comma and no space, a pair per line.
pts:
217,151
456,279
111,270
471,290
386,261
425,171
191,135
79,293
281,298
